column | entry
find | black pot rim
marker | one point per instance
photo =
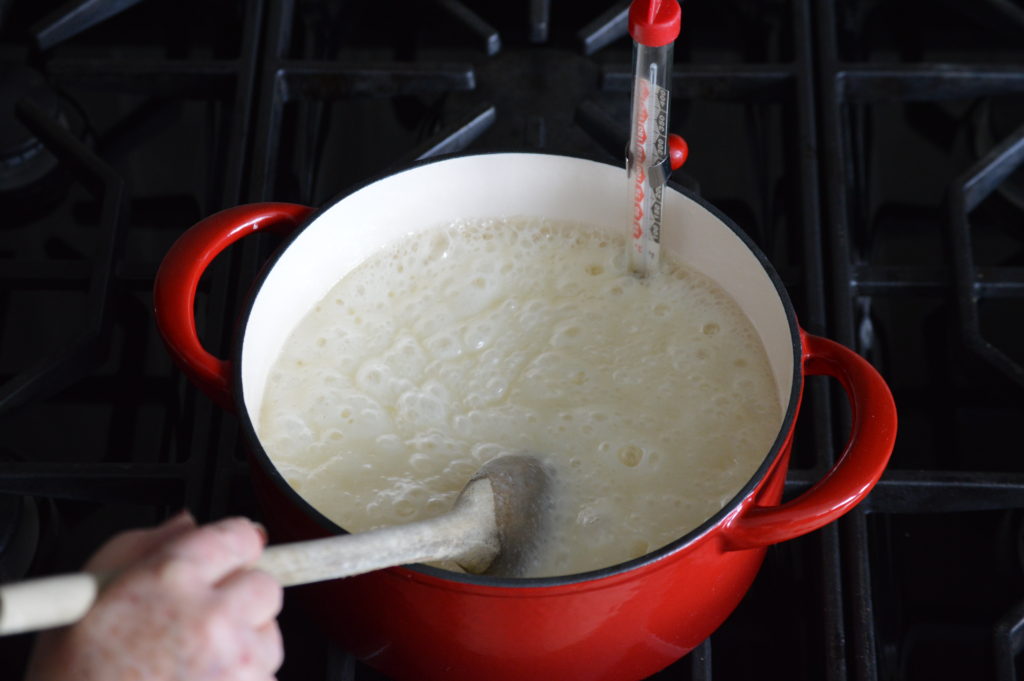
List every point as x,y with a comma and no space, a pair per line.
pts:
263,459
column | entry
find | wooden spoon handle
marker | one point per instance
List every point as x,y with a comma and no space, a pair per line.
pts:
468,534
48,602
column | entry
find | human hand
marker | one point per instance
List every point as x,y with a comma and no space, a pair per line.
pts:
185,606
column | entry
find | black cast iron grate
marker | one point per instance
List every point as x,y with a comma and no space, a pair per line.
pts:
842,136
890,264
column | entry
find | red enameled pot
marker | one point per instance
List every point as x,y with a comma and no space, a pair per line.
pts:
623,622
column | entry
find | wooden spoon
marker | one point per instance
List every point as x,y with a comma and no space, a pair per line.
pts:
495,528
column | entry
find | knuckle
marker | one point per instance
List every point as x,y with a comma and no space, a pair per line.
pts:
214,631
173,571
252,596
196,544
235,526
239,534
223,544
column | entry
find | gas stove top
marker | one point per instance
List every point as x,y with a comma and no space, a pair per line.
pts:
874,151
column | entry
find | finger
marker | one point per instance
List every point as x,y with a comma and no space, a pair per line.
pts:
132,546
251,597
212,552
261,653
267,640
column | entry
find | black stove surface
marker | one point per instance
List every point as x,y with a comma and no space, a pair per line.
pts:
874,150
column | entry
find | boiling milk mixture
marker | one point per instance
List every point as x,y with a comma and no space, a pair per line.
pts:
651,399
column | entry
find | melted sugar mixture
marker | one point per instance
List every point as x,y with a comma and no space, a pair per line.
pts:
652,400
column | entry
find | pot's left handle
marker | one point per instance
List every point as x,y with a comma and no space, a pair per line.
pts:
174,291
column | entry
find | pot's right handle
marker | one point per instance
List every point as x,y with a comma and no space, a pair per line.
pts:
174,291
872,436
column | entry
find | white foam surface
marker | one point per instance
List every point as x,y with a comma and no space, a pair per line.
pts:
654,400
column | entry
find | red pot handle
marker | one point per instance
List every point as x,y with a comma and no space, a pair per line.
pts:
174,291
861,464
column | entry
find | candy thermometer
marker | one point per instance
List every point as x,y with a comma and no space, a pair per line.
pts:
654,25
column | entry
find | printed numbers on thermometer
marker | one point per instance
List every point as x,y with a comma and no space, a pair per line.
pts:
648,153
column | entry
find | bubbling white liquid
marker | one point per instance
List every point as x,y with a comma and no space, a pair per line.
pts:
652,400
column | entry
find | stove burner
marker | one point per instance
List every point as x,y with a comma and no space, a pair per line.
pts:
23,158
994,121
30,180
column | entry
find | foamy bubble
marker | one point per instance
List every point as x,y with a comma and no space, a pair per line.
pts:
630,455
426,464
484,452
293,432
388,444
420,408
444,345
568,334
479,336
406,357
492,390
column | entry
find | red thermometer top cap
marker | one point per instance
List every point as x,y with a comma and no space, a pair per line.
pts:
655,22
